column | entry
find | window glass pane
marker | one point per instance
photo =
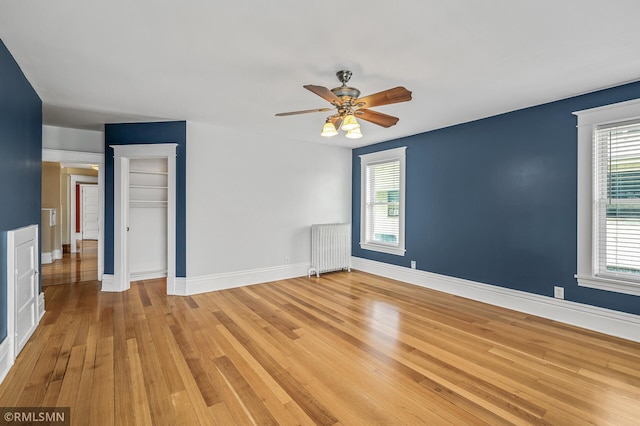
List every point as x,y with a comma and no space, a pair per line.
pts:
617,216
622,242
383,196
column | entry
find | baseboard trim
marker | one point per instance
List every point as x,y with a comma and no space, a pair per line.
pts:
179,288
148,275
109,283
46,258
40,305
204,284
614,323
6,358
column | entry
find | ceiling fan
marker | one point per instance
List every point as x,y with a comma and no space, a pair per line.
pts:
348,106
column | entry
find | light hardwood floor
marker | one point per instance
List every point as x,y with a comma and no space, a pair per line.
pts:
348,348
73,267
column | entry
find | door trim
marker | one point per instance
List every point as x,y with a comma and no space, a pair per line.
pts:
121,280
80,179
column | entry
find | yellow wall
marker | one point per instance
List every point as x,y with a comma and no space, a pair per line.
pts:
51,185
51,199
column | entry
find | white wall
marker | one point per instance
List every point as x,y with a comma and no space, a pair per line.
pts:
251,200
67,139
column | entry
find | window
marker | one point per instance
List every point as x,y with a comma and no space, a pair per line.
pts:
382,201
617,195
609,198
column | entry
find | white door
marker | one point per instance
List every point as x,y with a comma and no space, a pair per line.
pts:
23,285
89,211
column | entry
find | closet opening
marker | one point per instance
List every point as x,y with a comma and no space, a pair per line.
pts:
144,215
147,218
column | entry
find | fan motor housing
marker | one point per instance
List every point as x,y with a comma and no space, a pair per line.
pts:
350,92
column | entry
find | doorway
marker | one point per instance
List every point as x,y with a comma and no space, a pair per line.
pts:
127,195
84,159
75,209
89,205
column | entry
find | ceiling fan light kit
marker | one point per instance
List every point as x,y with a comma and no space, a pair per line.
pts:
349,123
329,129
346,100
354,134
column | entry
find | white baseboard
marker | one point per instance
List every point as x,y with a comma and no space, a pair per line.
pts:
109,283
47,258
615,323
148,275
57,254
194,285
6,357
180,287
40,305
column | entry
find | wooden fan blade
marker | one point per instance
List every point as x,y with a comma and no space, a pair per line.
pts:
284,114
391,96
375,117
324,93
337,121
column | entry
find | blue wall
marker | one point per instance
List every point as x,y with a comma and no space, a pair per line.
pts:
148,133
20,161
495,200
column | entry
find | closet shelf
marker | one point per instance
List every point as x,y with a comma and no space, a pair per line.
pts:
147,203
148,172
148,186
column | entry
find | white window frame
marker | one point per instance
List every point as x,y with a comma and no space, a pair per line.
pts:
396,154
588,120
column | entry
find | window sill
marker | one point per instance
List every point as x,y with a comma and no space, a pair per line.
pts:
609,284
383,249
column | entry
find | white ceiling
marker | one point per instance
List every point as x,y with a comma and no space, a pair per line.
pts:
238,63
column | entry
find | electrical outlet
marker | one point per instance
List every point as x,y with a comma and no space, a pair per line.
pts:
286,260
558,292
413,264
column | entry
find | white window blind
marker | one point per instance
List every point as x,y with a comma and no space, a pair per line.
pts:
382,227
617,200
383,203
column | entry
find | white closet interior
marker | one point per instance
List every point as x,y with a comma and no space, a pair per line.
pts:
148,186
